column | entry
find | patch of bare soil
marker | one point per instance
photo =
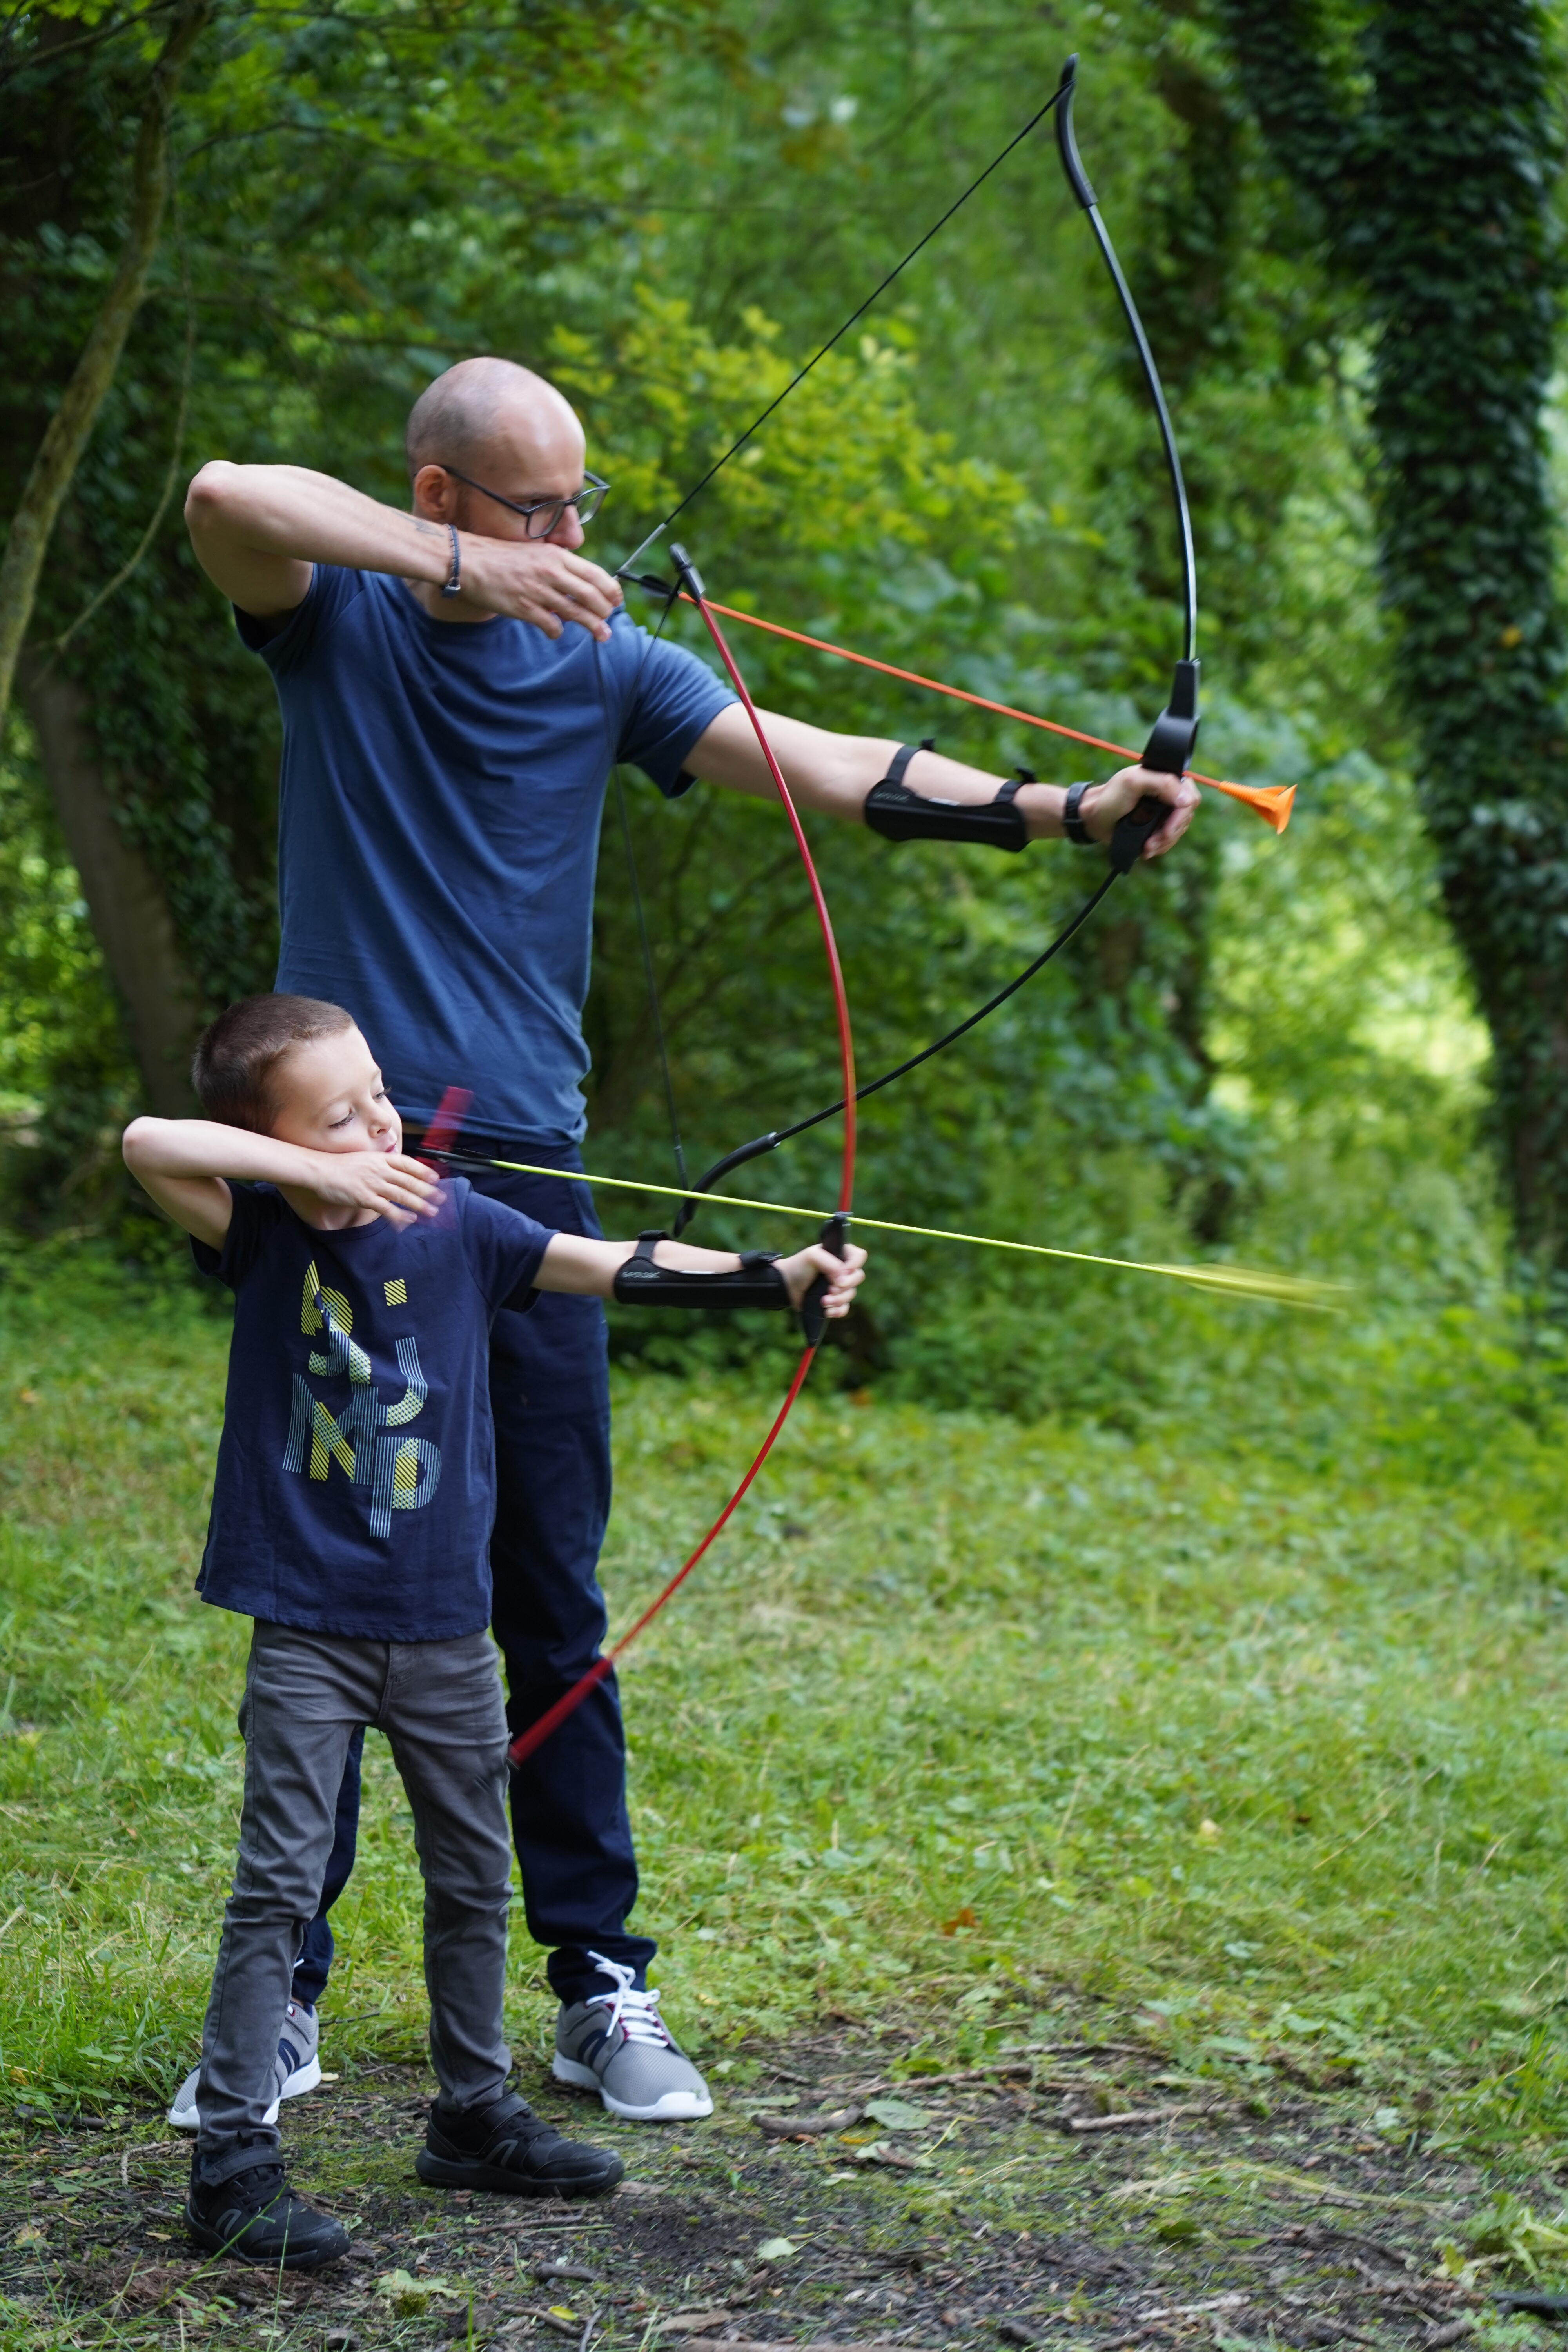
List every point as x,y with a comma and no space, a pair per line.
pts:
1073,2196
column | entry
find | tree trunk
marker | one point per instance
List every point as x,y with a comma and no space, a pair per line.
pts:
1433,193
130,911
70,427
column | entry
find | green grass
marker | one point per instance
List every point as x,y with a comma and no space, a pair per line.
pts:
1250,1723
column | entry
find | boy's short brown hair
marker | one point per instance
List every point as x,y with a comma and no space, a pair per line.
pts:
238,1055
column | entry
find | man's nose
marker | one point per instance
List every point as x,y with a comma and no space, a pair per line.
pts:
568,532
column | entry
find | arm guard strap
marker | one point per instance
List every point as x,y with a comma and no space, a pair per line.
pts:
892,809
757,1281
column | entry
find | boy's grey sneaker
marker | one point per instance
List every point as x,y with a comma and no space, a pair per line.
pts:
616,2043
297,2068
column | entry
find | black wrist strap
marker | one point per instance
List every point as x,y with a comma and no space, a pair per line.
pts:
1073,824
900,814
453,584
756,1282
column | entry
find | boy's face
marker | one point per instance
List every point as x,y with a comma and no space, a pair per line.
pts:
333,1098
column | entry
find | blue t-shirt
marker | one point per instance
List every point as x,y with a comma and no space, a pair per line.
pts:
438,829
355,1483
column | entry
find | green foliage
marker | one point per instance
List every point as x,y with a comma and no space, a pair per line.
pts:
666,211
1424,146
1248,1727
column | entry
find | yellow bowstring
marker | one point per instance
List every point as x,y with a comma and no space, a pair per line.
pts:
1240,1281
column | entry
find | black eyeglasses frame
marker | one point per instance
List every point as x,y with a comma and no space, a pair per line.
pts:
594,490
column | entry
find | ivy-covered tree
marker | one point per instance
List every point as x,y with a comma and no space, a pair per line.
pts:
1422,145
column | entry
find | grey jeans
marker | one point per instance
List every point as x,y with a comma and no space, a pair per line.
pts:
439,1704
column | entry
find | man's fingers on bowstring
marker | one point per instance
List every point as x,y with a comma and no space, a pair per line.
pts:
604,587
575,589
545,586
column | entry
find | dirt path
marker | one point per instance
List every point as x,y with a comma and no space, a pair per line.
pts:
1003,2207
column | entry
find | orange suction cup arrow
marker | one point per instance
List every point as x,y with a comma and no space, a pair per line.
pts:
1273,803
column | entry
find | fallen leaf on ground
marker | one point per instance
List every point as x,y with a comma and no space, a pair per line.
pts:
880,2152
410,2295
898,2115
808,2126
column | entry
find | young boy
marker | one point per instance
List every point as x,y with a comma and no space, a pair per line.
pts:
351,1518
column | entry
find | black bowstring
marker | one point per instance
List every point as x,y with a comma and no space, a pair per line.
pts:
770,1142
757,423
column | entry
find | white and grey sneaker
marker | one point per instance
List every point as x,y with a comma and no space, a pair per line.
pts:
616,2043
296,2068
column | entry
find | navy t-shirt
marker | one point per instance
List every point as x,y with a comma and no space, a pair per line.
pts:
355,1482
439,827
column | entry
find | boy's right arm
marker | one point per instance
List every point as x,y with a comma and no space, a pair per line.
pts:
182,1164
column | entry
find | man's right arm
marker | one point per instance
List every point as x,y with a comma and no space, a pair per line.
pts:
258,530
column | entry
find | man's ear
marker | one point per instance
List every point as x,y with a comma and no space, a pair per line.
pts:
436,494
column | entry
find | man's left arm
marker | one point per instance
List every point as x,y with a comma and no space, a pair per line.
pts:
834,774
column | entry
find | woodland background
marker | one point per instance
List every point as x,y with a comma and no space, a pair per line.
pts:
1159,1663
1341,1050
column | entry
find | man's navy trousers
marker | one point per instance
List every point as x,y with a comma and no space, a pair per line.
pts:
550,1396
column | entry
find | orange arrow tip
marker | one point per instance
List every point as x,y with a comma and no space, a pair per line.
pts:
1273,803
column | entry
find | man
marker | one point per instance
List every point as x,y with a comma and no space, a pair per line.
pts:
455,683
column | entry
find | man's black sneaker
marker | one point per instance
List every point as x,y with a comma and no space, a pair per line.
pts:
506,2146
256,2219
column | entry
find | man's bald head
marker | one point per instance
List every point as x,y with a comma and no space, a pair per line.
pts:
489,409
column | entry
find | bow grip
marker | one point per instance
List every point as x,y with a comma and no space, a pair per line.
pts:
1167,753
813,1321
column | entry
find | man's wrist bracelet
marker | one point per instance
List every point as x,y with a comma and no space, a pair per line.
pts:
453,584
1073,824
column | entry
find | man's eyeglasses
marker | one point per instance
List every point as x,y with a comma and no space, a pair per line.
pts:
541,515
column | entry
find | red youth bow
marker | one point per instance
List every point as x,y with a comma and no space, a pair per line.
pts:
523,1745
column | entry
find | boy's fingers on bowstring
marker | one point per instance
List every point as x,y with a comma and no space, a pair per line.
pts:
419,1169
411,1182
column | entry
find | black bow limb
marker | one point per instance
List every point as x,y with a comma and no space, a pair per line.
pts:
1169,749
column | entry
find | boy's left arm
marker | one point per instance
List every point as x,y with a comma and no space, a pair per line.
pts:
575,1263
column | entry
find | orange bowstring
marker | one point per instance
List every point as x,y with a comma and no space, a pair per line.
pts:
1272,802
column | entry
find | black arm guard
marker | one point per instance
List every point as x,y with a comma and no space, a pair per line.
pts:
640,1282
892,809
